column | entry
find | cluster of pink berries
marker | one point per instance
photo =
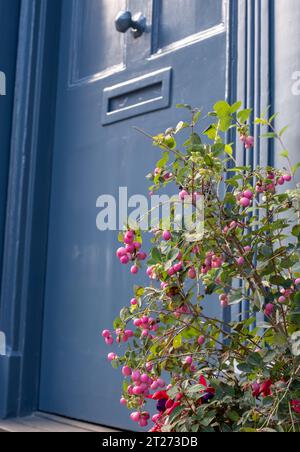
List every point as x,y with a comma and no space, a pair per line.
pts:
285,294
146,324
184,194
248,141
140,418
176,268
245,198
212,261
131,252
122,336
271,187
183,310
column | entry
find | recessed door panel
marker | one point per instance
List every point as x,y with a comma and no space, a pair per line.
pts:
180,19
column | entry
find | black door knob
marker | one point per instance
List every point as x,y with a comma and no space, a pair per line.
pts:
124,21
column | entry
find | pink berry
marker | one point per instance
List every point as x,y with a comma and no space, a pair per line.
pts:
136,376
137,322
137,245
201,340
282,300
223,297
240,261
130,249
245,202
149,271
189,360
143,423
281,181
287,177
183,194
269,309
297,282
111,356
149,367
129,333
133,302
249,142
109,340
138,390
248,194
123,401
126,371
161,383
134,269
121,252
128,240
141,256
124,260
178,267
144,378
247,249
154,386
171,271
135,417
192,274
167,236
106,333
224,303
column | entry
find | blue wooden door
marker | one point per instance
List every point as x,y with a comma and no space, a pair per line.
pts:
108,83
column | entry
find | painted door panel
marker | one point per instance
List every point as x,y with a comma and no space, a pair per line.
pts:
85,284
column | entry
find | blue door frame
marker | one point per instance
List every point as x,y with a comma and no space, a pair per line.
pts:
26,219
25,185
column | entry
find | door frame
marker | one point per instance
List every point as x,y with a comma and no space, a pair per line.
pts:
26,222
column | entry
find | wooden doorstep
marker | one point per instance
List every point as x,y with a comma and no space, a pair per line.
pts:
45,423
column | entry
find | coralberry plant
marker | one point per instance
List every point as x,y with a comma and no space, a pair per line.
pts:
206,374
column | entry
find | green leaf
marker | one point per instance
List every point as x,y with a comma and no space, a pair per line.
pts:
228,150
296,231
177,341
211,132
283,130
163,161
117,323
295,168
269,135
222,108
233,415
235,107
244,115
156,255
284,154
188,107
